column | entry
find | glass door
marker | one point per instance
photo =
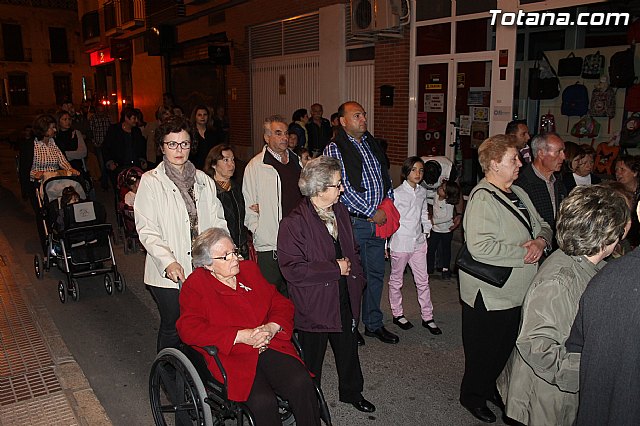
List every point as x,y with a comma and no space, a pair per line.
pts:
432,109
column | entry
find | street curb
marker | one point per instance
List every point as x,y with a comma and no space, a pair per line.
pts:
85,405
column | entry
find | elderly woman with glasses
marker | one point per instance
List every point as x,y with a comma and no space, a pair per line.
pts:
174,203
540,383
227,302
318,257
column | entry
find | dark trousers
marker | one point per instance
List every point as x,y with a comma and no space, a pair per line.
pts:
440,243
488,337
268,264
372,259
169,307
277,373
345,350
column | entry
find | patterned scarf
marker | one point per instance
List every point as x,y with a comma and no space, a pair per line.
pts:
329,219
185,182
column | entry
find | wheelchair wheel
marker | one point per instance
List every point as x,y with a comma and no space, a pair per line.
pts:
176,392
120,282
108,284
38,266
74,290
62,291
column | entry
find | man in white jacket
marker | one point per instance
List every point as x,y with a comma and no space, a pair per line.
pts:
270,190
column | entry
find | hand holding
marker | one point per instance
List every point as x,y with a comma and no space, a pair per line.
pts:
345,266
535,249
380,218
174,272
255,208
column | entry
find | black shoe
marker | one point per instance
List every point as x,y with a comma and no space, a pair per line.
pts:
382,334
402,322
446,275
432,327
359,338
364,406
496,400
482,413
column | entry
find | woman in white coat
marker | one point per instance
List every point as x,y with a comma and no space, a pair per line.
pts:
174,203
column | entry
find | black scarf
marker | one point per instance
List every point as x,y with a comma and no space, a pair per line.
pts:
352,160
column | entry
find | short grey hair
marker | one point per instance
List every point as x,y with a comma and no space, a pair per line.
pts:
273,119
541,142
201,247
591,218
317,174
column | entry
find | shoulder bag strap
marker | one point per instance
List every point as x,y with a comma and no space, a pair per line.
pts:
511,209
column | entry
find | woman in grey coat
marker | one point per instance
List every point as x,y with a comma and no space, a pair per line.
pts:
540,382
495,234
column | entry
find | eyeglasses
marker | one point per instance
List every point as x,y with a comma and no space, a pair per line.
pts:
174,144
337,185
235,253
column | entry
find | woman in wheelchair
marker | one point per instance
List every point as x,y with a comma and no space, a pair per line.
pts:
227,302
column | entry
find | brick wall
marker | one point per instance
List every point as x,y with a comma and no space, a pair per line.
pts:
392,68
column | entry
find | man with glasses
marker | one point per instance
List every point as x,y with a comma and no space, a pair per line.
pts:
270,190
366,183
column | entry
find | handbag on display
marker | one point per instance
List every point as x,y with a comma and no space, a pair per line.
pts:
493,275
570,66
543,81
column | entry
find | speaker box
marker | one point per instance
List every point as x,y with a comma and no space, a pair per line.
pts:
160,40
220,55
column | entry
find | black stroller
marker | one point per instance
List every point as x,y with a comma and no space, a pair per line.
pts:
81,247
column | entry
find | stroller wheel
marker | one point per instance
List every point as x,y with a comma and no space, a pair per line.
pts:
38,266
120,282
108,284
74,290
62,291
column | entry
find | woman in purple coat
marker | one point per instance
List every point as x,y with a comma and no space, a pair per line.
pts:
319,259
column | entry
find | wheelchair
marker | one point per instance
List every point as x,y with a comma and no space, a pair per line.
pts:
182,391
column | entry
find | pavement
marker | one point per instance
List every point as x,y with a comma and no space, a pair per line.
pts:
40,381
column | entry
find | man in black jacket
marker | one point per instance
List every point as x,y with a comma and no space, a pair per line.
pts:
124,146
538,179
319,131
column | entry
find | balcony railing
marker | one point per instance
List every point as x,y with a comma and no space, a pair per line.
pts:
132,12
61,57
24,56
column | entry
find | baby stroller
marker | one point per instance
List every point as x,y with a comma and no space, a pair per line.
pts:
81,247
124,212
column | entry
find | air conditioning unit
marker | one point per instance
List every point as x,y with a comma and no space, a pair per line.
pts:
368,16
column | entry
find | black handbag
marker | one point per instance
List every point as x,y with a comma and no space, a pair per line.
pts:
493,275
543,88
570,66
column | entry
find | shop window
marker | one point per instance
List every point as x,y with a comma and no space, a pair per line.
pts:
432,9
545,40
18,90
466,7
62,87
433,40
58,45
474,36
12,42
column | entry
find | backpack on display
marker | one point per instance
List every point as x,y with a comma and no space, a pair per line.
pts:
543,81
593,65
575,100
606,155
630,134
587,127
632,100
621,73
603,103
547,123
570,66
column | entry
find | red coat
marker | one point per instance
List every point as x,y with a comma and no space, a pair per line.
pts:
211,313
